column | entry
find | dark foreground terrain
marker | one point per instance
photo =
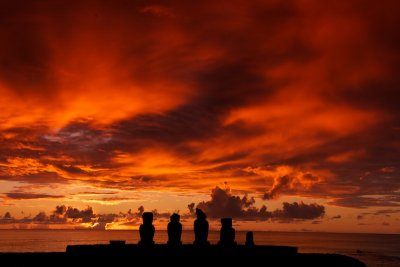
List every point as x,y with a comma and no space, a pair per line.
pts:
186,255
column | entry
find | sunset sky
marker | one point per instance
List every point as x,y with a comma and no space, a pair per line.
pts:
284,115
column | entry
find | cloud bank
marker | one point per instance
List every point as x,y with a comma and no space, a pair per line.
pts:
224,204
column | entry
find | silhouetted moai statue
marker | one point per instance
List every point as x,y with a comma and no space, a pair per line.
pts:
147,229
174,230
200,229
227,233
249,239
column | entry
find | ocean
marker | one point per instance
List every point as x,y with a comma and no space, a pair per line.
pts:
377,250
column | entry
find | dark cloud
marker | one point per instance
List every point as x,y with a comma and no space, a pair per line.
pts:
224,204
116,199
86,215
63,213
141,210
7,216
191,207
17,195
71,169
60,210
161,215
387,212
365,202
40,217
67,216
300,211
102,220
280,184
42,177
95,193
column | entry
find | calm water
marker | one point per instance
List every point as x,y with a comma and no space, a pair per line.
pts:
377,250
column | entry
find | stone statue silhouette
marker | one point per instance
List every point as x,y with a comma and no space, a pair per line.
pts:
227,233
200,229
249,239
147,229
174,230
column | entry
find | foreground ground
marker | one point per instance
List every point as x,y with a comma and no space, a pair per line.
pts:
187,255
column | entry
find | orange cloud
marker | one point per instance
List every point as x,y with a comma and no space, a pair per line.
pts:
276,98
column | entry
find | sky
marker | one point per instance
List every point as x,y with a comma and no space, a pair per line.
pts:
283,115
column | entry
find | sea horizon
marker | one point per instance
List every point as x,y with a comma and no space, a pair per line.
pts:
191,229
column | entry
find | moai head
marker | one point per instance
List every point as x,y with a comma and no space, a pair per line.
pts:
200,214
147,217
175,217
226,222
